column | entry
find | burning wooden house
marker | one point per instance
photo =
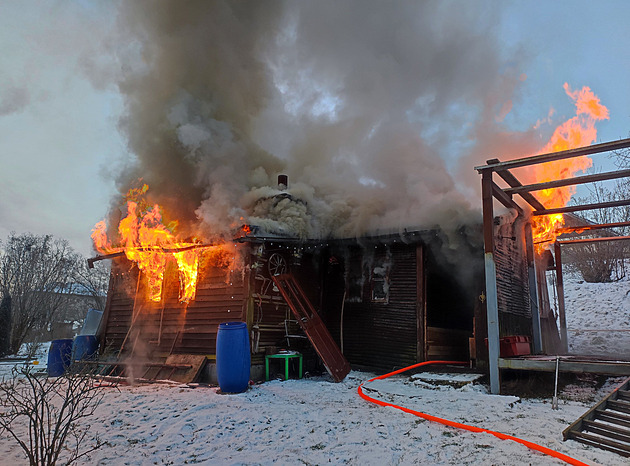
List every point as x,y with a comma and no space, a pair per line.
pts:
379,302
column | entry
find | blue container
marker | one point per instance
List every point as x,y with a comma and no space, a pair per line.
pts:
84,347
59,356
233,358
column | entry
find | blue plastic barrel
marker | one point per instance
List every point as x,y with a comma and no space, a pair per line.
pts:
233,358
84,347
59,356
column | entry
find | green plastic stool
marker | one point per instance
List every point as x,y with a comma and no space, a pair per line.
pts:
286,357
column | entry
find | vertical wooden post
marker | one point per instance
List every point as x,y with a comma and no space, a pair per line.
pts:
421,305
560,291
533,289
492,306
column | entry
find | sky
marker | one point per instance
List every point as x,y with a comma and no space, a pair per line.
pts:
65,97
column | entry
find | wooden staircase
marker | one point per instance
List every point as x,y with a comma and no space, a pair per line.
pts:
607,424
313,326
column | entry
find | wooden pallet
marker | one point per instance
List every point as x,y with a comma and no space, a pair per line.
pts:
607,424
182,368
313,326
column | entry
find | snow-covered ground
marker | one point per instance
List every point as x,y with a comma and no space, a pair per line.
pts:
316,421
598,317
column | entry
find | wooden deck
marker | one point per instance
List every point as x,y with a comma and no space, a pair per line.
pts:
569,363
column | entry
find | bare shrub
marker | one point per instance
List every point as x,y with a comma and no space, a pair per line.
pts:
597,262
32,349
44,415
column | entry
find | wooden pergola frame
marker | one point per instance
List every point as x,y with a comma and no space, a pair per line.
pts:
491,191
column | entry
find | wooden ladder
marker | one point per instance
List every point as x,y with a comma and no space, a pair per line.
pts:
313,326
607,424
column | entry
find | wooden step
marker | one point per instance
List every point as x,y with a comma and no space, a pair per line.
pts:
614,418
603,443
607,424
616,433
620,406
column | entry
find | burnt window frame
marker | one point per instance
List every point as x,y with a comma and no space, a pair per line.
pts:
355,275
382,261
383,284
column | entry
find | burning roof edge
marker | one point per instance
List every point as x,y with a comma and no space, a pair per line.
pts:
254,234
406,235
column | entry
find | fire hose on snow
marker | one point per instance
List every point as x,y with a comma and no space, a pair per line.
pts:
533,446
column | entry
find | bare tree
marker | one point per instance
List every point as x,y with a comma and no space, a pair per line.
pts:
5,325
94,281
602,261
45,415
33,270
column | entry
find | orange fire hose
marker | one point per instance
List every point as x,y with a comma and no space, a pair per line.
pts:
547,451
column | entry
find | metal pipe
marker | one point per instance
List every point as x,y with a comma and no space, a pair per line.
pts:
146,249
554,402
343,303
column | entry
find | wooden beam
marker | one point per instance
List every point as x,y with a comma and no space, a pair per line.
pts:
511,180
599,226
566,365
578,208
504,199
594,240
568,182
554,156
91,260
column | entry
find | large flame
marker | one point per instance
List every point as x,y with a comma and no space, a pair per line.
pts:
146,241
577,132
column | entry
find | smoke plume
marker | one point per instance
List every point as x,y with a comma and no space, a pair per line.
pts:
366,105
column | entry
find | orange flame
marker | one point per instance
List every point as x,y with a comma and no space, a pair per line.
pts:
577,132
146,241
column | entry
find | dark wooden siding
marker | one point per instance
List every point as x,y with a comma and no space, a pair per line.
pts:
512,281
118,310
168,326
383,335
